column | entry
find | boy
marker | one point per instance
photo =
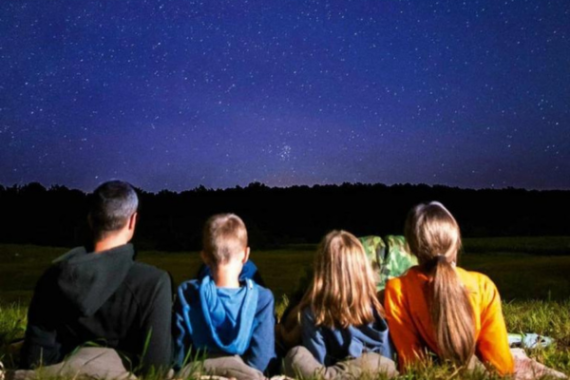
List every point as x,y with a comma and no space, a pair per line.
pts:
231,321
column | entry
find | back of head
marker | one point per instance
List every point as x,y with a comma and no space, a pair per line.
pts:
433,235
112,204
224,237
343,290
431,231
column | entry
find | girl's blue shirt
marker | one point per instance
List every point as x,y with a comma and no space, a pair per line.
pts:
330,345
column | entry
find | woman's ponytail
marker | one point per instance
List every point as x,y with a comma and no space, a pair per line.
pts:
433,235
451,314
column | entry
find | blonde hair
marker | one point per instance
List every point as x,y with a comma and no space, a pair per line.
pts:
343,291
224,236
433,235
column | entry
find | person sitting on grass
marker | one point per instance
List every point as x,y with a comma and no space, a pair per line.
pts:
440,308
230,321
388,256
101,297
344,333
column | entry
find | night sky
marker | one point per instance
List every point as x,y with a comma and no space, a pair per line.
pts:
177,93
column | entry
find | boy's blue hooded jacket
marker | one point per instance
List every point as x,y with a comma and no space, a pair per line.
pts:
224,321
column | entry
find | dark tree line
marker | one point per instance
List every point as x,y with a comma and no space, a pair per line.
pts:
299,214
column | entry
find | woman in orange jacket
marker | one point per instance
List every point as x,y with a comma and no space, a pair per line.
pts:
440,308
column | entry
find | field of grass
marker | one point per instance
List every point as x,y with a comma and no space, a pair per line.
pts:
519,266
546,245
531,274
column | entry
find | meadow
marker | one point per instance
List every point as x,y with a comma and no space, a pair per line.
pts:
532,275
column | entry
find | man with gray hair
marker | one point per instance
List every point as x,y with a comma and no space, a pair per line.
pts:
102,297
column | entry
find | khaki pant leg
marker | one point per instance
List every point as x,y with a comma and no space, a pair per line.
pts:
93,362
371,364
224,366
527,368
301,363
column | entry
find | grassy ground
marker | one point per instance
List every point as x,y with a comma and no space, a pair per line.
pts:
519,275
545,245
535,288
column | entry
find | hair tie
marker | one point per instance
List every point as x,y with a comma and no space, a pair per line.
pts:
441,258
430,264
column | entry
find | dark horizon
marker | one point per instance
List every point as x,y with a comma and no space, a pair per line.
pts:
274,216
257,184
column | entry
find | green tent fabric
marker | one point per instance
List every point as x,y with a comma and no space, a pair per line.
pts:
389,257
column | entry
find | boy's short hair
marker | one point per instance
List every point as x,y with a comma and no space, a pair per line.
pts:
111,206
224,236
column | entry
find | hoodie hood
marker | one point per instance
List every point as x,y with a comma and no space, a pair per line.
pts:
228,315
335,344
87,280
370,337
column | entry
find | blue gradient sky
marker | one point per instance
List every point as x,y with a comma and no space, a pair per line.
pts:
176,94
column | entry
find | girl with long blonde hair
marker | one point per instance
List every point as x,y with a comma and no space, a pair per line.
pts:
440,308
341,316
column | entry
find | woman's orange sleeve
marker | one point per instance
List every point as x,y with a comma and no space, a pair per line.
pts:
493,343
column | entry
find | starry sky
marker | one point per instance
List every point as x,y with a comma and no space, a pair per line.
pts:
173,94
